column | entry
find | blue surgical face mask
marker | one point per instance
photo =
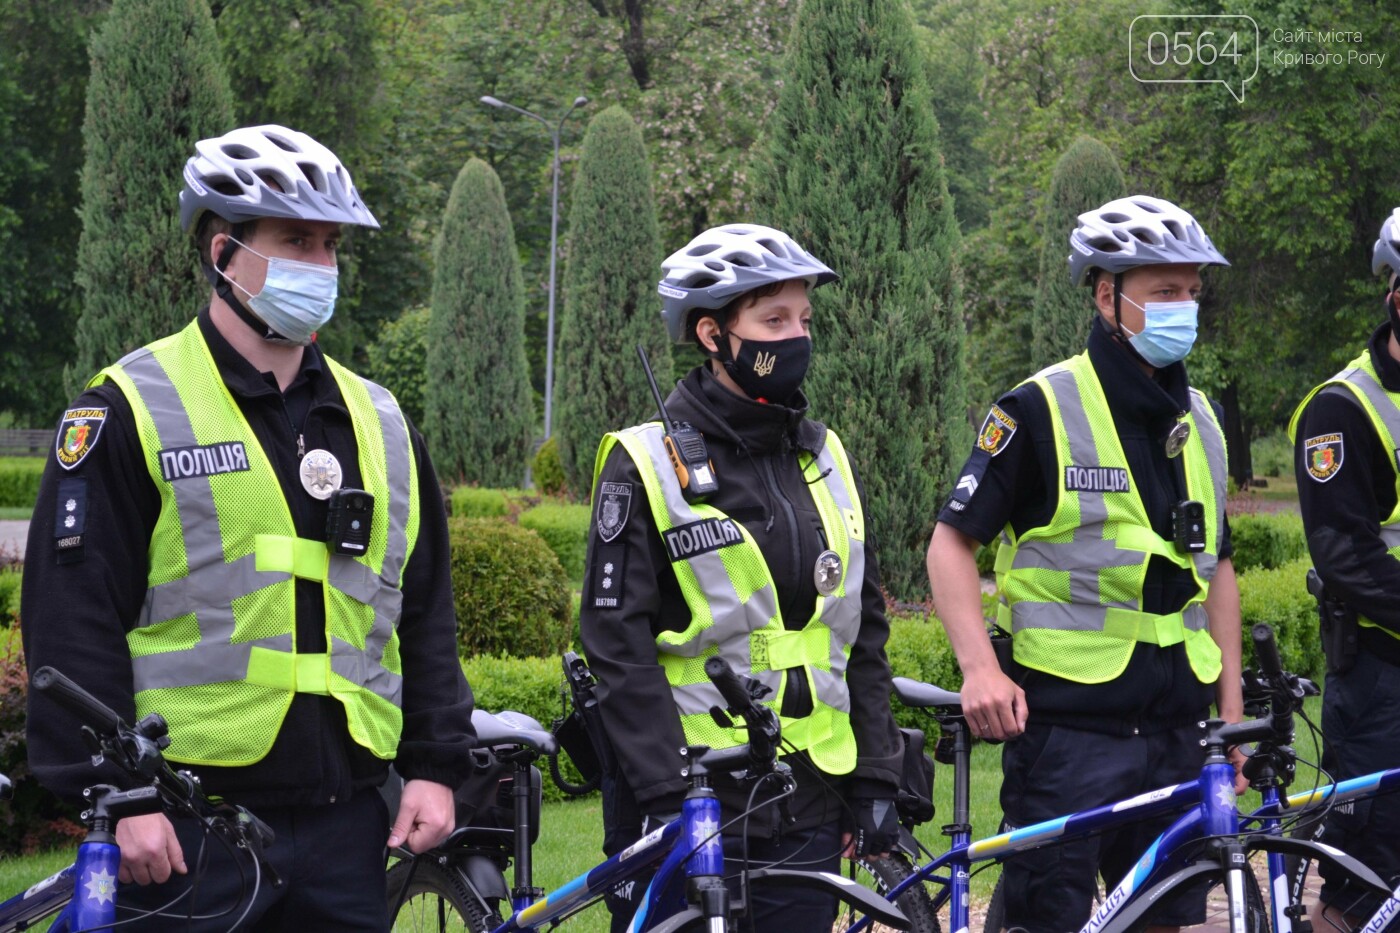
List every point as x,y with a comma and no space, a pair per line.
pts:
1168,331
297,298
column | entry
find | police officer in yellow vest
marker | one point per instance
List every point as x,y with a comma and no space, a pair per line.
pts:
1104,477
237,532
1346,434
775,572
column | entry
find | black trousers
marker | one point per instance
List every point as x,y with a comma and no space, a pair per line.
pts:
330,859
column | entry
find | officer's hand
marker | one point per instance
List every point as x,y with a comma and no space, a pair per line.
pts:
427,814
1238,758
877,828
150,851
994,705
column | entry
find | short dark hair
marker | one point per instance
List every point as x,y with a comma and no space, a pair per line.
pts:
725,316
210,225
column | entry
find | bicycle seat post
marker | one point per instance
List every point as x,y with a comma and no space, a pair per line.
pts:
522,797
956,733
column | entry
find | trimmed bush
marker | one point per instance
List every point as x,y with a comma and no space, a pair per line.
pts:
1279,596
548,470
987,556
33,820
565,529
396,360
532,686
918,648
9,596
476,502
509,590
1267,540
1272,455
19,481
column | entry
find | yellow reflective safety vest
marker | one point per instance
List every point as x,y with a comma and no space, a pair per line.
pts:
733,602
1071,590
214,650
1383,408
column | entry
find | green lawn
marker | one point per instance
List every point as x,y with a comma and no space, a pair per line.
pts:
16,513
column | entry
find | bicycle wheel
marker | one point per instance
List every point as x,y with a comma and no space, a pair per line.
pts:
996,909
1256,915
438,900
881,875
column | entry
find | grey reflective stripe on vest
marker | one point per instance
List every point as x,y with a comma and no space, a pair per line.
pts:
211,586
357,581
1214,443
733,620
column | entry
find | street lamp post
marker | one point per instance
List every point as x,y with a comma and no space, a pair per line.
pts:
553,130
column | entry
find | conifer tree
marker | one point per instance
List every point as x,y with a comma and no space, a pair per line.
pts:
610,300
479,412
854,174
157,87
1085,177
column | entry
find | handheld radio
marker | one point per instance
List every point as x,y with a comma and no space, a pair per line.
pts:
686,446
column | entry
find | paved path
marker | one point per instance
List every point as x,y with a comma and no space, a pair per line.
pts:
12,538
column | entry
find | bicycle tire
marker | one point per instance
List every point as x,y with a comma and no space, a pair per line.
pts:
1256,918
996,909
882,875
438,899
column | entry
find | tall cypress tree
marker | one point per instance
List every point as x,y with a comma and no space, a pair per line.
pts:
854,174
610,302
1085,177
156,88
479,413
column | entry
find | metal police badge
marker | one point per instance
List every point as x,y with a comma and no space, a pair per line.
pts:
1323,456
996,431
77,434
827,573
1177,438
614,502
321,474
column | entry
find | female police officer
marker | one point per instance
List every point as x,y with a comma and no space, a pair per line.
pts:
774,571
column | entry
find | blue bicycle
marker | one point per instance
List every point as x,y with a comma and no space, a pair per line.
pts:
1209,844
461,884
86,891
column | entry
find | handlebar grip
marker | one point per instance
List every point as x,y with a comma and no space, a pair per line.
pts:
1266,650
92,711
730,687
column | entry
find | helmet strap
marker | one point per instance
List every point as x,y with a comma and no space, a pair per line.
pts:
1391,309
225,291
1118,307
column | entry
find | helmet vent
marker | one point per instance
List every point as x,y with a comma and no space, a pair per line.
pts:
699,281
275,182
704,249
244,176
1115,218
714,264
235,151
1175,228
224,185
282,142
1108,244
313,174
773,247
1146,235
1147,205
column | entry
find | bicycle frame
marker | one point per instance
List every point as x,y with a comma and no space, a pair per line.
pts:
91,903
1209,807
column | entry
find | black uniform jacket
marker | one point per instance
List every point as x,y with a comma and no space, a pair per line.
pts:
753,447
1017,486
1342,512
79,602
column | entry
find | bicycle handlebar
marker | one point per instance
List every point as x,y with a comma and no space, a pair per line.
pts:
739,694
137,751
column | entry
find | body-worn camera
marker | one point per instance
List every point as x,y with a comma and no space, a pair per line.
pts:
348,522
1189,526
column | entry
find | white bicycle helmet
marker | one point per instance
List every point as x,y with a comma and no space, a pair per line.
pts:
1137,231
1385,255
269,171
723,263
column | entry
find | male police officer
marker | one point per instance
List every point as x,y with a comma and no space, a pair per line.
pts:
1346,435
240,534
1105,474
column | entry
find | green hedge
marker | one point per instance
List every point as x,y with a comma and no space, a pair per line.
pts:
1267,540
510,593
478,502
9,595
19,481
565,529
1279,596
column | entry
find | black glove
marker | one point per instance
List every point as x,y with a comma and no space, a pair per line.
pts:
877,825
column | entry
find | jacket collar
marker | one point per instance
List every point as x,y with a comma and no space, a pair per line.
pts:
758,427
1133,395
1387,367
242,377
